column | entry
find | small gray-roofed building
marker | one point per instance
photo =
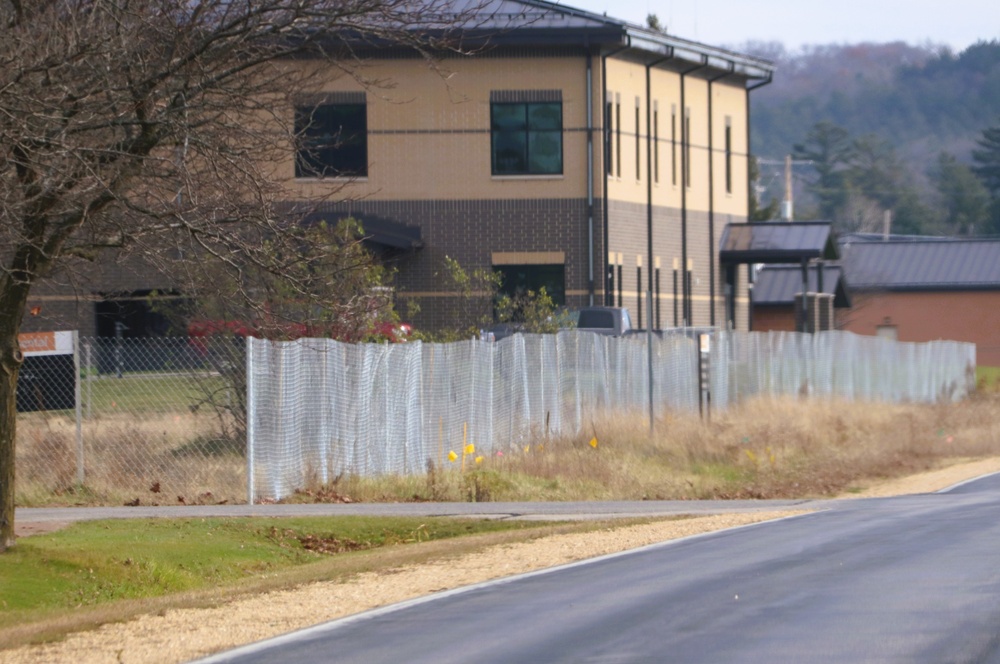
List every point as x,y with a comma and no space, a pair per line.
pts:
935,265
925,289
796,242
777,285
773,297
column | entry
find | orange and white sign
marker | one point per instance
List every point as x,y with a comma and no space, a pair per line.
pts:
46,343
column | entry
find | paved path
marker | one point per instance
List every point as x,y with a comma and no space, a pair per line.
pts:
906,579
536,510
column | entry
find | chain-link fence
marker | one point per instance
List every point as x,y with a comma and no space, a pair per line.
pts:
164,421
840,364
158,421
320,408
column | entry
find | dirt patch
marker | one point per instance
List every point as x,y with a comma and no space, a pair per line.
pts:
27,529
184,634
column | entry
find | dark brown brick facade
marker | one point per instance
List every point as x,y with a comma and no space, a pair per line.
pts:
471,231
627,234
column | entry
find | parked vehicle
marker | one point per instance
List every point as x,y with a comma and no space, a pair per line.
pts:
612,321
500,331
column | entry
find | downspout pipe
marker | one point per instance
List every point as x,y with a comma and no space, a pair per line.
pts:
604,160
649,235
649,170
711,198
750,274
590,179
685,146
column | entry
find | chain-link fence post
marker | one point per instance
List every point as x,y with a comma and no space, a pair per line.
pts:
251,424
78,411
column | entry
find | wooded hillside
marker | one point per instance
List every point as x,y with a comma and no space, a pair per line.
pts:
901,124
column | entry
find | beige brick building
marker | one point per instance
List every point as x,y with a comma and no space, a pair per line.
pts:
574,151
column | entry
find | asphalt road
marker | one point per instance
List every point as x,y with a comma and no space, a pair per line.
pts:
906,579
526,510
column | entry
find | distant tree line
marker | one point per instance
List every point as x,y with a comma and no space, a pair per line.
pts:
859,183
892,130
922,99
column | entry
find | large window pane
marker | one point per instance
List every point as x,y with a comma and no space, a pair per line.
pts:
517,280
526,138
544,152
333,141
545,116
509,152
508,116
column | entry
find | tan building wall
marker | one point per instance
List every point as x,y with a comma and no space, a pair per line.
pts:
429,165
960,316
696,212
429,130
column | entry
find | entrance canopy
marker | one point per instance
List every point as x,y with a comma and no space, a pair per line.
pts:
380,233
777,242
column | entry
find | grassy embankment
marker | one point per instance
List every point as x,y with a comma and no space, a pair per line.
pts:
93,573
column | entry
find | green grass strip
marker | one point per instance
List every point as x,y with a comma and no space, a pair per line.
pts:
92,563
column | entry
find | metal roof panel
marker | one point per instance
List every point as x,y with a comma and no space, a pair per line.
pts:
931,265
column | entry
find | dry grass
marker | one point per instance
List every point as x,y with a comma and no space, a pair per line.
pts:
769,448
772,448
158,459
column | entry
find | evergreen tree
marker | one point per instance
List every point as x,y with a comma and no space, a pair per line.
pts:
830,150
877,172
878,175
987,159
963,200
653,23
987,167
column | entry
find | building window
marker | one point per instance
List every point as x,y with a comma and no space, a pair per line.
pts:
638,149
618,135
333,140
656,143
526,138
687,147
517,281
729,156
673,145
887,331
609,134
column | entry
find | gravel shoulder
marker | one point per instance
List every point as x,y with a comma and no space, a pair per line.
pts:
185,634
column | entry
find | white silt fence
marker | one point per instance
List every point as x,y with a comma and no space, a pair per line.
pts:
318,409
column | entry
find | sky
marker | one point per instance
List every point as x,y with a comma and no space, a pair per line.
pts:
955,23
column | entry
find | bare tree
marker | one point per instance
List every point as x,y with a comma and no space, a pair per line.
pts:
149,130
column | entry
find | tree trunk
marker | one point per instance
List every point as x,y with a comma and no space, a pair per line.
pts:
10,364
12,303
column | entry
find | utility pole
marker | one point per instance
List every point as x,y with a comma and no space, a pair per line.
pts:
787,210
787,207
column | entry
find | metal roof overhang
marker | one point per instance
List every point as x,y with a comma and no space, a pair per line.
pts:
386,233
562,26
777,242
